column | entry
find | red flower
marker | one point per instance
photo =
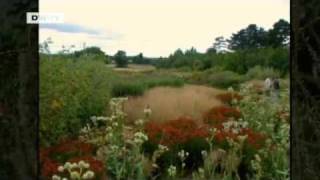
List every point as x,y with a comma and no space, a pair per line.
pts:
50,157
220,114
49,167
228,97
174,131
254,139
73,146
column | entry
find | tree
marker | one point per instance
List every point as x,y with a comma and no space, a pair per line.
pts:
220,44
121,59
279,35
44,46
139,59
248,38
89,51
211,50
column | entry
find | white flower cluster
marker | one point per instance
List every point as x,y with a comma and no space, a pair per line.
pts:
116,105
172,171
139,122
70,168
204,154
140,137
234,126
255,163
163,148
183,156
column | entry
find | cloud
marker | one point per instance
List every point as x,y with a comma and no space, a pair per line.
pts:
71,28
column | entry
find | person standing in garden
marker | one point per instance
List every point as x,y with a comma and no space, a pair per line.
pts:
267,86
275,88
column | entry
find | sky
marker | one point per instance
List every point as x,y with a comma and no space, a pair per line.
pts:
154,27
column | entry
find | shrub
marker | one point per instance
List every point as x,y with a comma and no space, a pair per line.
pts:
173,132
67,150
71,92
220,114
127,89
136,87
179,134
217,78
262,73
225,79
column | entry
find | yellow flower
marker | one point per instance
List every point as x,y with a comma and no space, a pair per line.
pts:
56,104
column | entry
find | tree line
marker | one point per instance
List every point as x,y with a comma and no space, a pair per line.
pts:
249,47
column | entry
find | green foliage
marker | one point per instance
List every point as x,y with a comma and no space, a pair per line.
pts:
124,89
240,61
216,78
249,38
279,35
138,84
89,51
121,59
261,73
70,92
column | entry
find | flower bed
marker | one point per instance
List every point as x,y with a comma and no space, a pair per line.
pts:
220,114
68,150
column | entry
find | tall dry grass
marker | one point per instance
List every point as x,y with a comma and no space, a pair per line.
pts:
170,103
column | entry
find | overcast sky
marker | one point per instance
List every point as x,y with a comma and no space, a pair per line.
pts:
155,27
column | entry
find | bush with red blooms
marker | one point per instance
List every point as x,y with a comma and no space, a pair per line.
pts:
177,131
228,97
66,150
254,139
220,114
185,133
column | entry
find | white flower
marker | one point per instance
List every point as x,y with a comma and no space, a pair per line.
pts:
204,153
257,157
108,128
155,165
102,118
67,165
115,124
86,165
235,131
74,175
60,168
139,122
81,164
230,89
140,137
172,171
88,175
74,165
182,154
163,148
183,165
201,171
56,177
